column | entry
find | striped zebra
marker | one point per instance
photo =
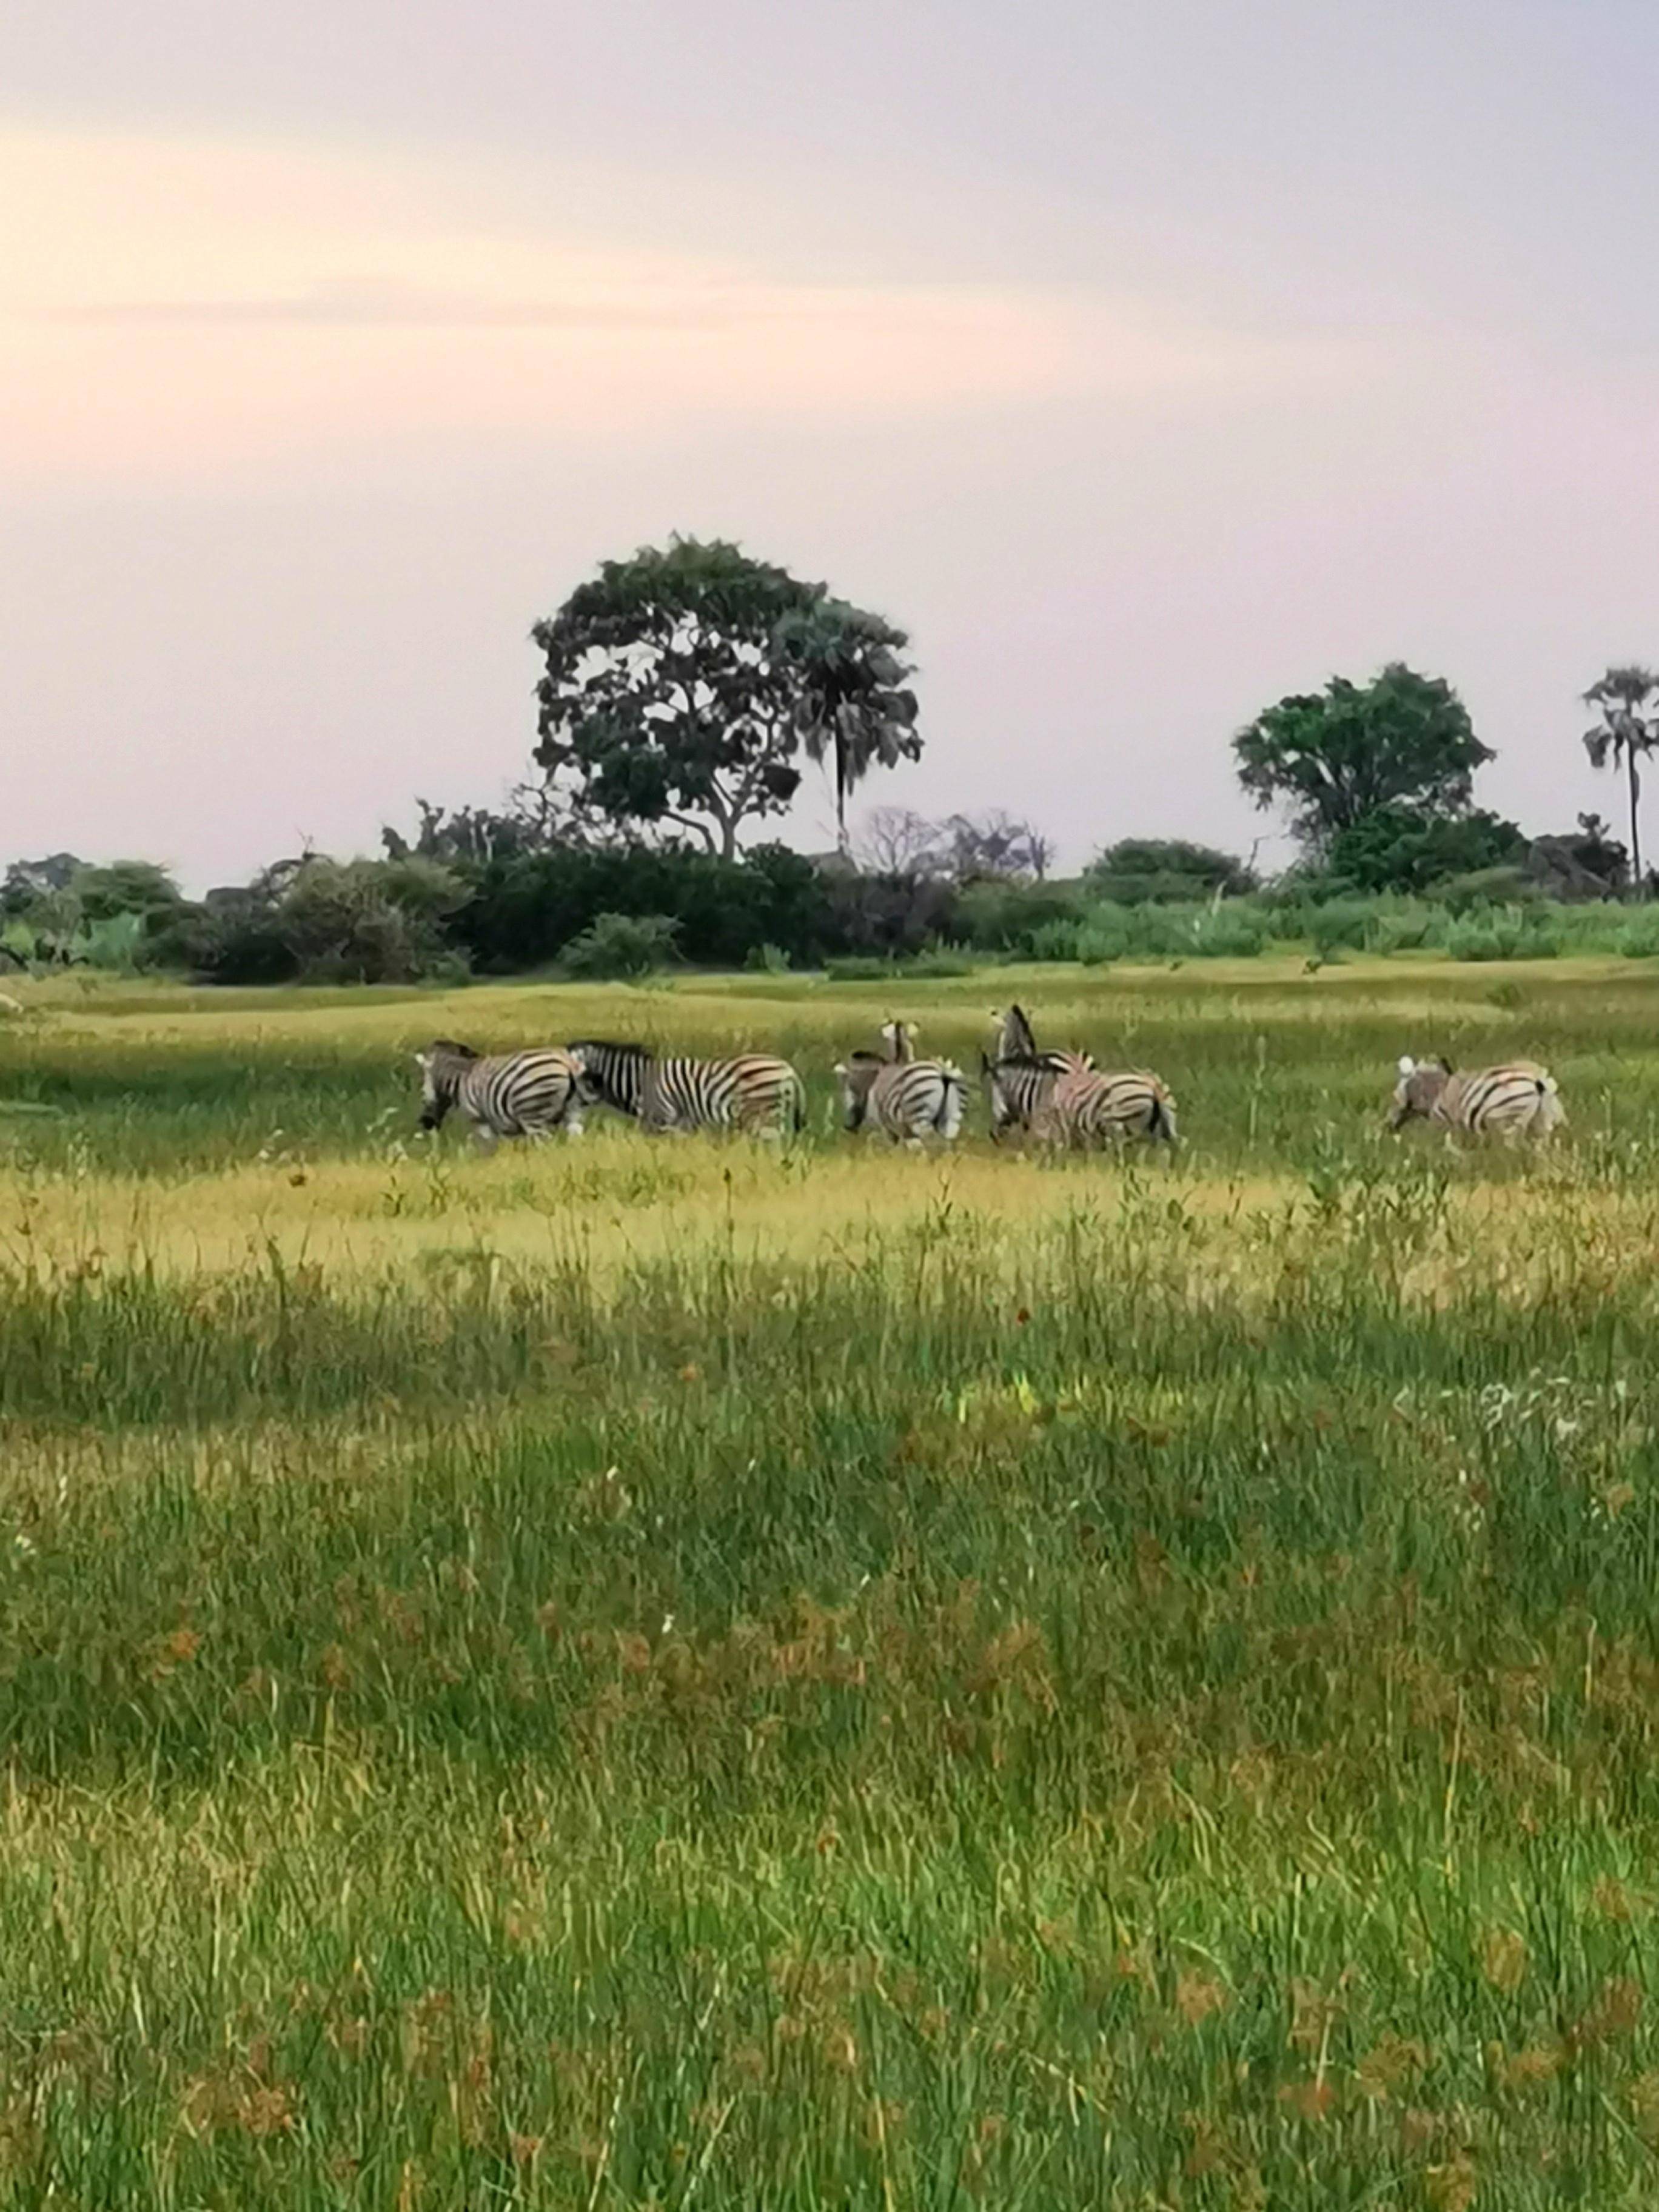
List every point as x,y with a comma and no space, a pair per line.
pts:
1089,1107
752,1092
1519,1099
1020,1080
908,1100
510,1094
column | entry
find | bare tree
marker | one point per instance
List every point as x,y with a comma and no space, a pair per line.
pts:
896,841
996,844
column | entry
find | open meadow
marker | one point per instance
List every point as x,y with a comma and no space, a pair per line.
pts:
682,1674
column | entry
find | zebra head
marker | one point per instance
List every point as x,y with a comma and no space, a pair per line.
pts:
856,1075
1421,1082
1015,1039
442,1065
587,1091
900,1039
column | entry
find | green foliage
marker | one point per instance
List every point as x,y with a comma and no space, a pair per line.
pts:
1138,870
327,921
767,960
1332,757
135,887
620,948
1399,848
1503,933
682,684
524,910
1639,938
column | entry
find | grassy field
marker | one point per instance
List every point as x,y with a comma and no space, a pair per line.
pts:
667,1675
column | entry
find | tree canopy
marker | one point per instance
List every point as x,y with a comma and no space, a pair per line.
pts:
1333,756
682,684
1405,848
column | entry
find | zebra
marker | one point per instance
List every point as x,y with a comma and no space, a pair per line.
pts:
752,1090
1519,1099
1020,1079
908,1099
512,1094
1086,1106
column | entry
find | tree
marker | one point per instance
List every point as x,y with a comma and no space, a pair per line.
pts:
1405,848
682,684
138,887
1625,734
1332,756
896,841
854,704
994,844
1142,870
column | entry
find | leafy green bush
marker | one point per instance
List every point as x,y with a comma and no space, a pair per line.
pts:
1639,938
1148,871
1343,926
767,960
1503,933
621,947
859,967
1004,916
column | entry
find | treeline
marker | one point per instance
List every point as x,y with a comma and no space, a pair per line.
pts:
476,894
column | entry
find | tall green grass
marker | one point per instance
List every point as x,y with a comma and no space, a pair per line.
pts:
1152,1705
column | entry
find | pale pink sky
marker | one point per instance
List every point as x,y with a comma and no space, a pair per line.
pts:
1146,362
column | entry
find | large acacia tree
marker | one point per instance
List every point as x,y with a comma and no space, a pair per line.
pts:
683,686
1335,757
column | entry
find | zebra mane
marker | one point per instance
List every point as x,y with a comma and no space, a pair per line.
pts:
609,1045
451,1049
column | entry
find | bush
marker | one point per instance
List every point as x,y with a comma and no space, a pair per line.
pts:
1345,925
1148,871
1639,938
767,960
621,947
1012,917
1502,934
859,967
526,907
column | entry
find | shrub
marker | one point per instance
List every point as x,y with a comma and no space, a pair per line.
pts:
1639,938
1344,925
621,947
1012,917
1142,871
1504,933
767,960
859,967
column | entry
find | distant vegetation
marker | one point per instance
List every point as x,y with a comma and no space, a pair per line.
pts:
685,689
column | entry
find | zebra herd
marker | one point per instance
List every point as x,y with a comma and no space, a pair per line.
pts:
1053,1096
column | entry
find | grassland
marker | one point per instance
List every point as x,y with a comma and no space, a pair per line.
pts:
659,1674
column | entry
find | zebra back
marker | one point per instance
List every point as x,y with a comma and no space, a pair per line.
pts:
1085,1106
752,1090
515,1094
1018,1089
1518,1098
907,1100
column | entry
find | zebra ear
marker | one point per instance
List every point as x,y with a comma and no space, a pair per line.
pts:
1407,1065
841,1068
421,1060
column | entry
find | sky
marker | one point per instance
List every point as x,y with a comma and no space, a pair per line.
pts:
1146,363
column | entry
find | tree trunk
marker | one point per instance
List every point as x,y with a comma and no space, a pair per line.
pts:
1635,834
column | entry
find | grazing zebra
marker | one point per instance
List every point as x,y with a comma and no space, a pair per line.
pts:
908,1100
1086,1107
1520,1099
1020,1079
752,1092
510,1094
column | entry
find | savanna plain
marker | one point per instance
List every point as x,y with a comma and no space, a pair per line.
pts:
673,1673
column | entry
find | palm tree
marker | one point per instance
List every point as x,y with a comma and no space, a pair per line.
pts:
854,700
1624,734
